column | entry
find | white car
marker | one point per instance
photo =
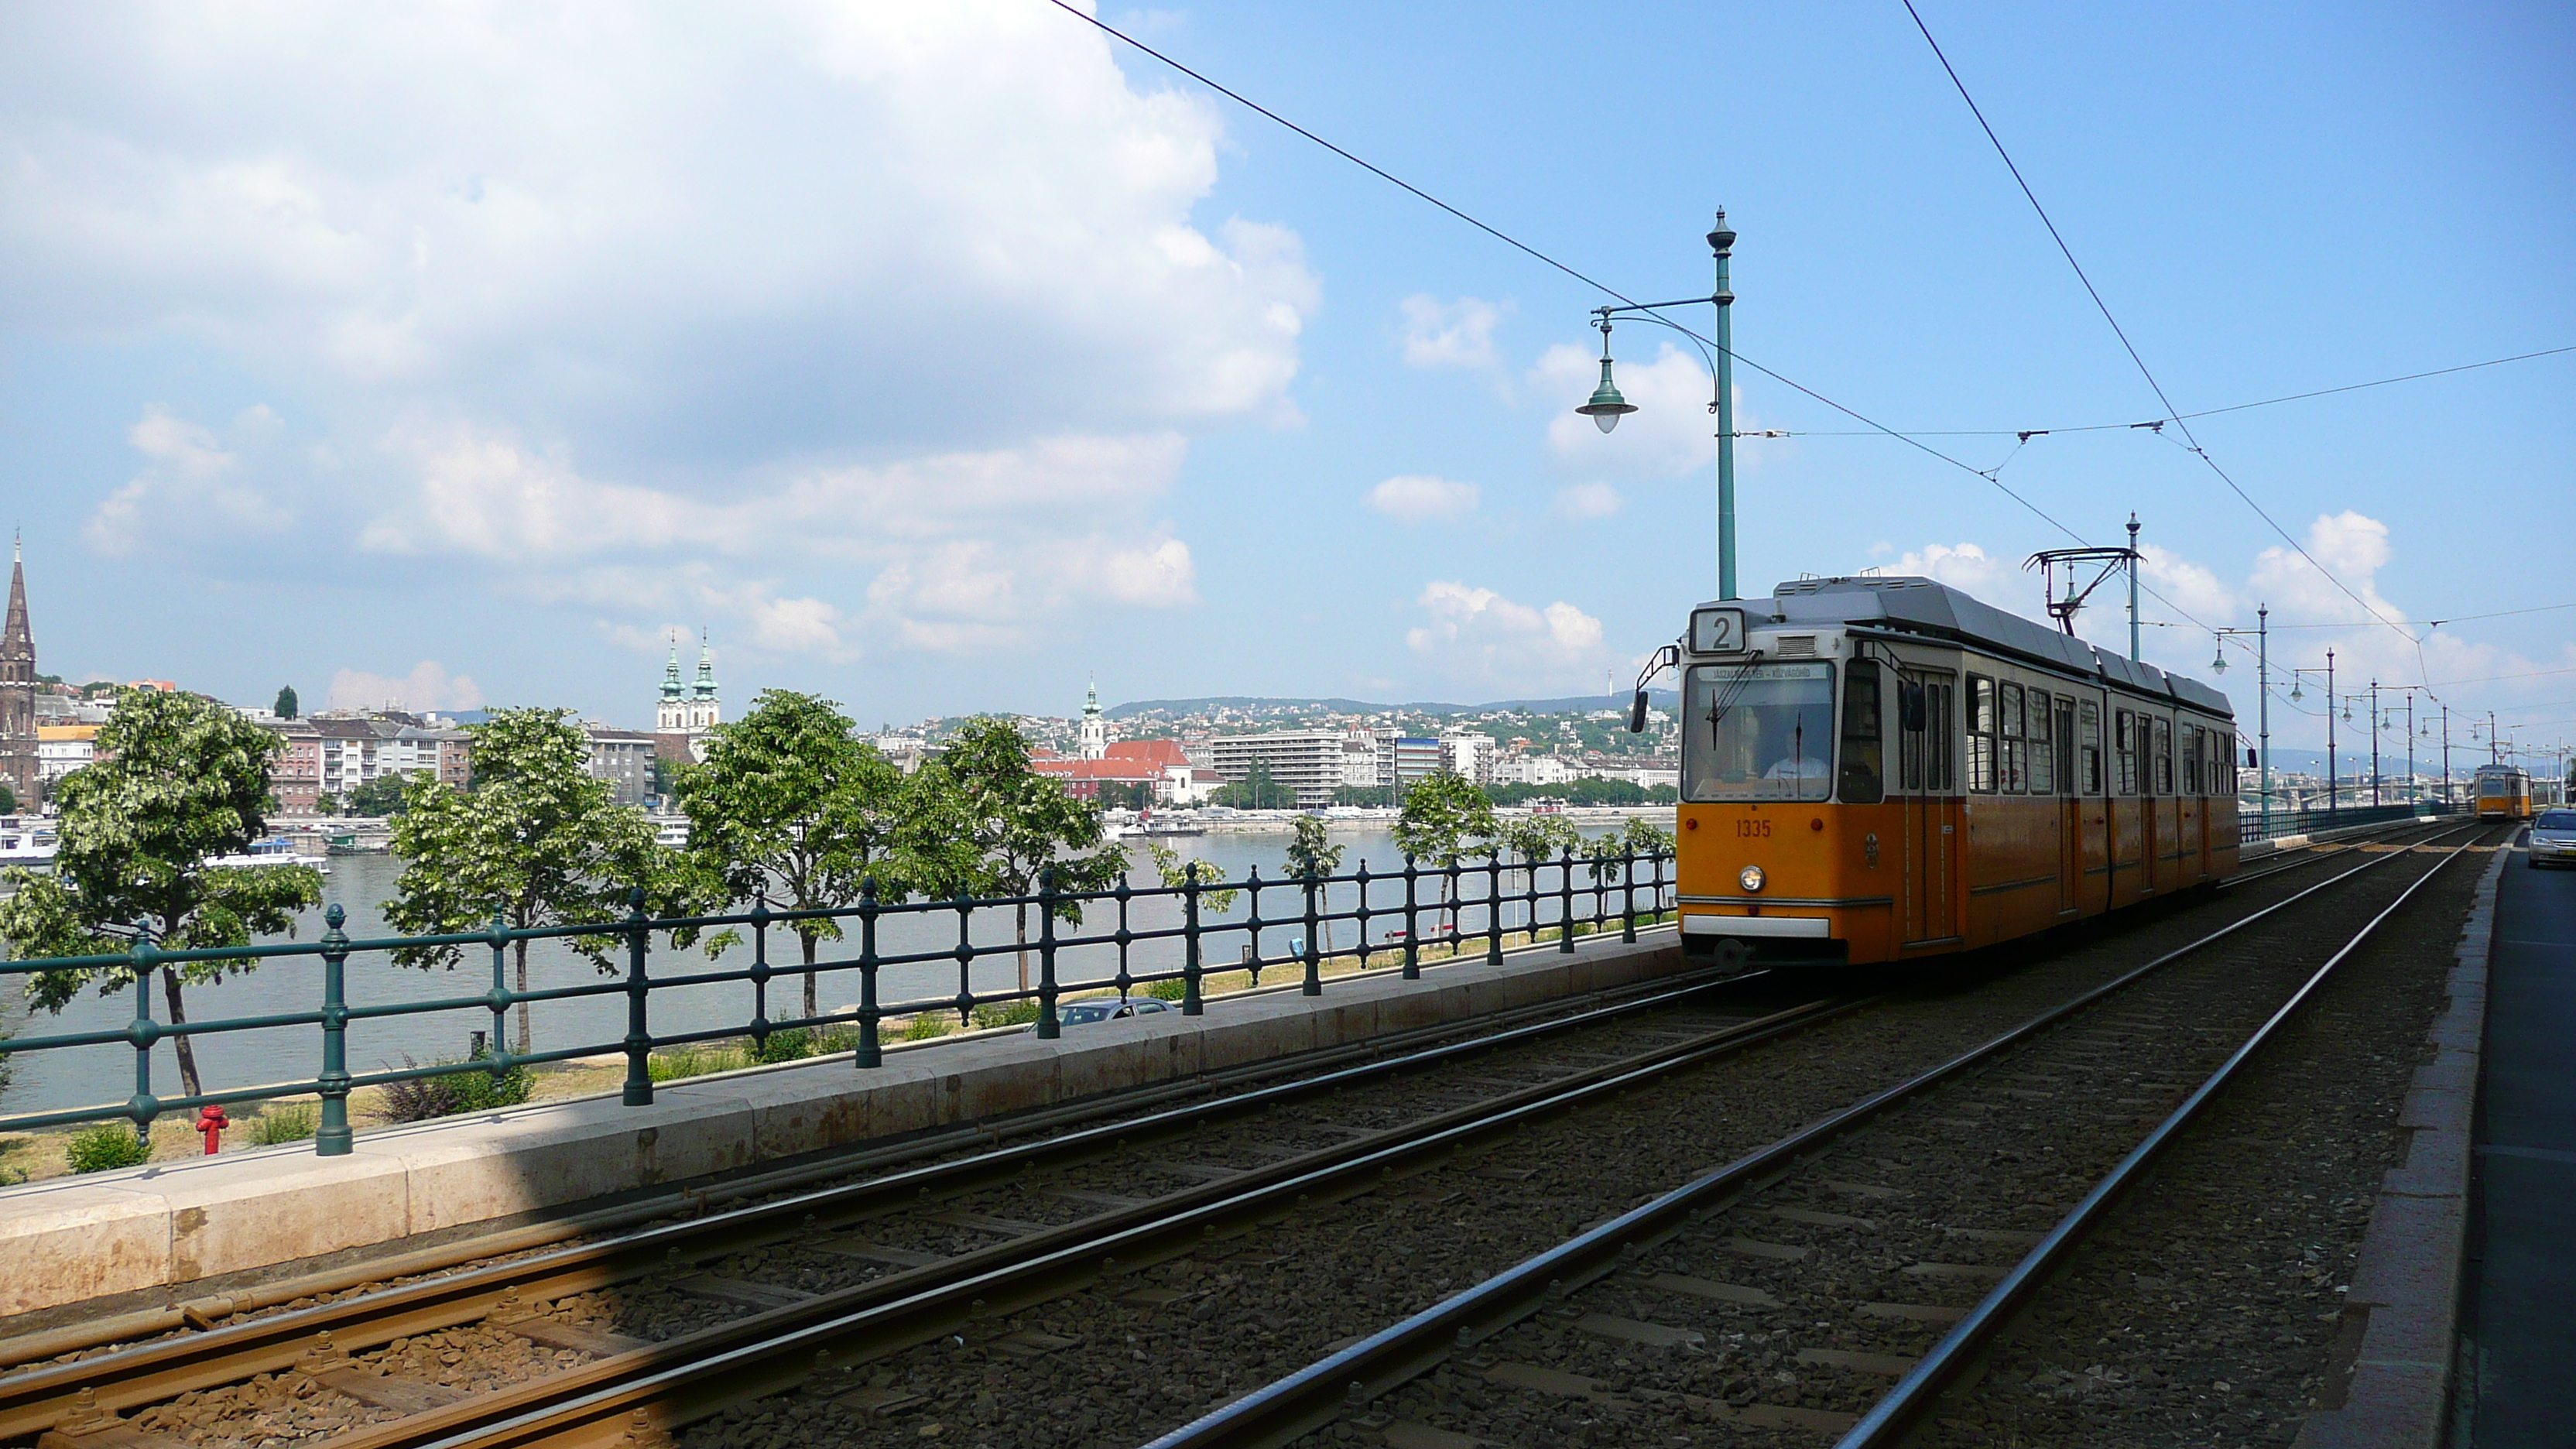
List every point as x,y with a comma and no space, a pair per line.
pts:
2553,838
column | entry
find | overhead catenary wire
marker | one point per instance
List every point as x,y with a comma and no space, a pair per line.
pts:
2173,413
1605,288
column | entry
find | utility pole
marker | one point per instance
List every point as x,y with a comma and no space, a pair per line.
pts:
2263,702
2374,744
2446,755
2133,587
2334,783
1721,240
2412,792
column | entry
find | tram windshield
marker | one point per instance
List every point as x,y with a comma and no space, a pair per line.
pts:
1758,733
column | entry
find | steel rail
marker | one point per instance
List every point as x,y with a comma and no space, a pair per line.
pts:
35,1400
689,1377
1895,1413
1288,1408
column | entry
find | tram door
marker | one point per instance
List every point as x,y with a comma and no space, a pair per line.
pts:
2070,811
1925,740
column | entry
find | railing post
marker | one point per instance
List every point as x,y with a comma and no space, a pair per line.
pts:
143,1106
1564,899
1192,1003
1362,913
1252,953
334,1137
1126,978
1048,1027
1494,909
1314,964
1628,900
870,1053
1412,922
759,973
499,996
639,1036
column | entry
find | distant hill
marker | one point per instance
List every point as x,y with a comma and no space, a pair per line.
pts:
1262,704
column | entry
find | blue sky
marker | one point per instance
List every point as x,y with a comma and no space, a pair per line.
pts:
937,357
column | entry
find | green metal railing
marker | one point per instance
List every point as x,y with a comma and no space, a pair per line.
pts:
2251,826
1454,893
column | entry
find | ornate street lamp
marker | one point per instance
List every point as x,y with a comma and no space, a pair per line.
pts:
1607,407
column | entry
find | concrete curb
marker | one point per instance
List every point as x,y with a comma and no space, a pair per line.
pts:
2406,1285
69,1240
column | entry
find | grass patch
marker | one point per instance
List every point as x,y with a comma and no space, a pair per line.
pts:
278,1125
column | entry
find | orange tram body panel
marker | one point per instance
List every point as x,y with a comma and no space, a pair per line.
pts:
1884,769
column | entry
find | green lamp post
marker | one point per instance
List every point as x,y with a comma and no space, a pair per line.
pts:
1607,407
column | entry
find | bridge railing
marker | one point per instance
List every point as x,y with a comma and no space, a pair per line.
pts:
1084,942
2251,826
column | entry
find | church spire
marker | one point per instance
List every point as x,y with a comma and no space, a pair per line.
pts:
706,685
671,669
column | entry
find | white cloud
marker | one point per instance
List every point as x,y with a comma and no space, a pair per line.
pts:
187,486
1419,498
1588,500
1671,433
1477,634
1967,568
428,686
1450,334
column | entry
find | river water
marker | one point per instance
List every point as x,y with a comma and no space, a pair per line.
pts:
47,1080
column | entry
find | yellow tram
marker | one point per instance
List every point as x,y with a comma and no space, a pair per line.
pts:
1885,769
2503,792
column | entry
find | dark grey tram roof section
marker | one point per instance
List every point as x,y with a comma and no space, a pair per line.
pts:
1927,606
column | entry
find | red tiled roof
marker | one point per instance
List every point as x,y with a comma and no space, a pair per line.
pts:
1156,752
1130,770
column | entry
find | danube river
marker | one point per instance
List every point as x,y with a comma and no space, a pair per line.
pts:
105,1072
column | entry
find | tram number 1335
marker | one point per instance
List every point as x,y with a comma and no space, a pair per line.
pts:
1761,828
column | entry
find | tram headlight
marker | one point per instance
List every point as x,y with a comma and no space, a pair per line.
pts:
1750,877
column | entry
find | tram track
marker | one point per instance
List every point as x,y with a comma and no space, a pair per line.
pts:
81,1397
721,1304
1847,1256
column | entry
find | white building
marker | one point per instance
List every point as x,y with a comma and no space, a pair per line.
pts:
1531,770
1471,755
61,749
1308,761
1362,764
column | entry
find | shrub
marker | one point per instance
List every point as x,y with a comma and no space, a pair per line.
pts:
927,1026
694,1061
1006,1013
794,1044
424,1099
1171,990
275,1126
105,1146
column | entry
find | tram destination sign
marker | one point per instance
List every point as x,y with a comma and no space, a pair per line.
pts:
1717,631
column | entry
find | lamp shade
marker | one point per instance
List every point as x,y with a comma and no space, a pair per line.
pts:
1606,407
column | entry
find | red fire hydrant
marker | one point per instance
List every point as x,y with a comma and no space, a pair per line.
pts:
212,1122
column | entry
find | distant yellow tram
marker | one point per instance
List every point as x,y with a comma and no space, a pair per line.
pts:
2503,792
1884,769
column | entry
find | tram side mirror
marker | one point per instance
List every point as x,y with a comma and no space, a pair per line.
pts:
1909,706
2252,762
1637,714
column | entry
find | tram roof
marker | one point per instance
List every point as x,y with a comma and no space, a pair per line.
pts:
1928,606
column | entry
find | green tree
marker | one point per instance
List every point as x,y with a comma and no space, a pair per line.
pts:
286,704
1177,873
381,796
8,799
178,781
1643,838
1311,859
1536,838
790,803
326,803
536,842
1444,814
1256,791
988,822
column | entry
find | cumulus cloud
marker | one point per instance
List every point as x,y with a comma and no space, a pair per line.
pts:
189,483
1671,433
1588,500
581,295
429,686
1965,567
1450,334
1477,634
1419,498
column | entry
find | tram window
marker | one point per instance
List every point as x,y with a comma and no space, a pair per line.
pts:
1931,744
2191,746
1981,734
2161,754
2089,743
2124,749
1758,732
2009,700
1862,782
2043,775
2222,763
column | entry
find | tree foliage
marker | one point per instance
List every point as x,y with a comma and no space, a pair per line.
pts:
179,781
8,799
1255,791
1444,815
991,825
1589,790
536,842
381,796
286,702
790,803
1177,873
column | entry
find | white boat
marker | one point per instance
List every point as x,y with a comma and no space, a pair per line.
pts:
26,841
276,850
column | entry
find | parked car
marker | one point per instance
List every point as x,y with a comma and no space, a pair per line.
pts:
2553,838
1104,1008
